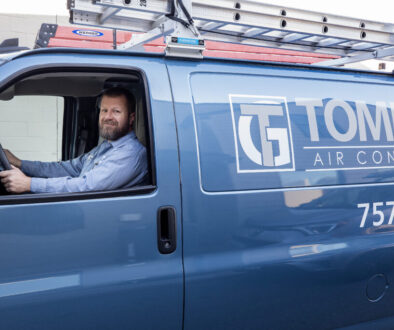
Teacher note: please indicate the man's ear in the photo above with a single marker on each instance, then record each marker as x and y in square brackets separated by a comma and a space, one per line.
[131, 118]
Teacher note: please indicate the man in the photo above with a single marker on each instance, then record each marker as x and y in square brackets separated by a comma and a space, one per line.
[119, 162]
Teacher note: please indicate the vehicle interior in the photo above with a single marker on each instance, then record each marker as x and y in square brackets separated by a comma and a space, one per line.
[78, 125]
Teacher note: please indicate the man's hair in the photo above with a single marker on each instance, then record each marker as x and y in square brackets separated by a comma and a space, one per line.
[119, 91]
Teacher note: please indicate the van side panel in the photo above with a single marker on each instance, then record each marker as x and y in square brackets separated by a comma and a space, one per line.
[276, 234]
[94, 263]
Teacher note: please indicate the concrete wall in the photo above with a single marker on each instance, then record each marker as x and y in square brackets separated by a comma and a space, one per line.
[31, 127]
[26, 27]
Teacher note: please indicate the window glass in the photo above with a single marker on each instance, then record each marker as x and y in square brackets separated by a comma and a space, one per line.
[263, 132]
[52, 117]
[31, 126]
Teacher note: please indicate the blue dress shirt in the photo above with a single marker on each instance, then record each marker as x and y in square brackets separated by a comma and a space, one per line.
[110, 165]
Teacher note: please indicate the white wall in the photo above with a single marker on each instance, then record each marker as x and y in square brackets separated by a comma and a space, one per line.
[31, 127]
[26, 27]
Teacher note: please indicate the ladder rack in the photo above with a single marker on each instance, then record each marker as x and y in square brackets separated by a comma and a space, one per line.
[242, 22]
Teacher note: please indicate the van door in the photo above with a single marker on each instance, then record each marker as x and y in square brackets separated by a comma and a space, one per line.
[287, 187]
[93, 260]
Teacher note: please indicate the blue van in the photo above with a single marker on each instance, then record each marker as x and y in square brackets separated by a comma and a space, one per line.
[268, 205]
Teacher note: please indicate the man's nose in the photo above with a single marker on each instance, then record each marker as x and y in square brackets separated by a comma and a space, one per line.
[108, 115]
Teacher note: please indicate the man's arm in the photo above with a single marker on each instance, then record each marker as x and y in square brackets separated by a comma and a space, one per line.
[52, 169]
[16, 181]
[12, 158]
[47, 169]
[117, 170]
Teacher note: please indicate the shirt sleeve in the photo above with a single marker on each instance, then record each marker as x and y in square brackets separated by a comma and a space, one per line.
[38, 169]
[118, 169]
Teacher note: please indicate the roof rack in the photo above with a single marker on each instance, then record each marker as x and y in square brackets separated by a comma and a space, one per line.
[187, 23]
[53, 35]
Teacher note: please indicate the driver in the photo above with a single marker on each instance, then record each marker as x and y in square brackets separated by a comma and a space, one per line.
[118, 162]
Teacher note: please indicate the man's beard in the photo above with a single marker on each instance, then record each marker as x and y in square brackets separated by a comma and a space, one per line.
[113, 133]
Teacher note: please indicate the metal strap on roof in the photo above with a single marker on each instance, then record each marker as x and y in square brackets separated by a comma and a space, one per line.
[187, 22]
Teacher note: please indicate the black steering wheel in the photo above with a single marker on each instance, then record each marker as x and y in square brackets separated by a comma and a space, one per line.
[4, 160]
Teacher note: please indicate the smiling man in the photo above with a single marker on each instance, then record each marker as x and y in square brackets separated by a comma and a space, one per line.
[118, 162]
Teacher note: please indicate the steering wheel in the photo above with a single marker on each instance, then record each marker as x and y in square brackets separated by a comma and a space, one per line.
[4, 160]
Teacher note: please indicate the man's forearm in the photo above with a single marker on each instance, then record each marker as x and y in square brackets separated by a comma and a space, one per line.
[13, 159]
[49, 169]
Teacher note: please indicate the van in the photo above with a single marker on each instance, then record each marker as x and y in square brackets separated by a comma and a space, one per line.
[268, 207]
[267, 203]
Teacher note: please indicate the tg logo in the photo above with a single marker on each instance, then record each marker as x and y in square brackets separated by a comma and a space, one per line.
[262, 133]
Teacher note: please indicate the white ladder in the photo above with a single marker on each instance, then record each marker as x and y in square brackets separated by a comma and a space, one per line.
[238, 21]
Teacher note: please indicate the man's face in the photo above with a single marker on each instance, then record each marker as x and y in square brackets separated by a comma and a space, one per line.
[114, 121]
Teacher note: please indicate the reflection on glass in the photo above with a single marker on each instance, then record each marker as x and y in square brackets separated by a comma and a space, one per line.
[308, 179]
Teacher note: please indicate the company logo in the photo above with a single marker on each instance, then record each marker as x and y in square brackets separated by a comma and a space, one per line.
[346, 135]
[262, 133]
[88, 33]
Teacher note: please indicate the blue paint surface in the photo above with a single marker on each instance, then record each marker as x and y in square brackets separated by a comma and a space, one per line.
[280, 249]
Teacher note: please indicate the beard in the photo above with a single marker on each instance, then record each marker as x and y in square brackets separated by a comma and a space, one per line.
[112, 131]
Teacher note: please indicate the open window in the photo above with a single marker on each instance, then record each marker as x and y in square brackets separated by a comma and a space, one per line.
[53, 116]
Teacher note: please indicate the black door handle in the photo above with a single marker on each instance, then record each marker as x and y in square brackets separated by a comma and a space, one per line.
[166, 229]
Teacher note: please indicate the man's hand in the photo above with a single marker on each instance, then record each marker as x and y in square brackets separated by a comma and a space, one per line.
[13, 159]
[15, 181]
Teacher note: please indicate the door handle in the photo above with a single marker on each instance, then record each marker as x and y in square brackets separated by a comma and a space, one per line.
[166, 229]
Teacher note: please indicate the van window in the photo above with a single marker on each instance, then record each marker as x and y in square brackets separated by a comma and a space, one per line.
[54, 117]
[274, 132]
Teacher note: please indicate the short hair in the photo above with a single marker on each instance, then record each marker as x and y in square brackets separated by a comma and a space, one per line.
[119, 91]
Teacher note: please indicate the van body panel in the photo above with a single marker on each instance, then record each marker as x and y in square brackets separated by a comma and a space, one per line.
[278, 249]
[95, 263]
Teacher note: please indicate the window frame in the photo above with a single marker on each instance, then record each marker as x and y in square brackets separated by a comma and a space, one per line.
[32, 198]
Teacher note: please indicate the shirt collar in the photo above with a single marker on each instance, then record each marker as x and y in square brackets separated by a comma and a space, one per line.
[118, 142]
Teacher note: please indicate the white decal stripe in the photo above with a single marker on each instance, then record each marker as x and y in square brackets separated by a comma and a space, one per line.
[348, 168]
[234, 133]
[245, 139]
[348, 147]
